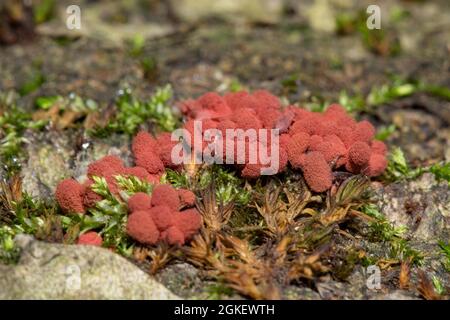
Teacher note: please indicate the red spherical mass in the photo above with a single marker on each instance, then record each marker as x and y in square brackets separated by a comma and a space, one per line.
[143, 142]
[234, 99]
[140, 201]
[379, 147]
[69, 194]
[91, 238]
[364, 132]
[377, 164]
[173, 236]
[215, 104]
[359, 153]
[150, 161]
[317, 172]
[162, 217]
[165, 195]
[90, 198]
[188, 221]
[187, 197]
[246, 118]
[140, 227]
[266, 101]
[165, 146]
[297, 145]
[106, 166]
[251, 170]
[139, 172]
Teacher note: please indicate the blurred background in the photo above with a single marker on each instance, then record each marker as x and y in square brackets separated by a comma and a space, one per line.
[309, 52]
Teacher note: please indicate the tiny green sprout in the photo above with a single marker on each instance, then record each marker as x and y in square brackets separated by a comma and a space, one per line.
[132, 113]
[175, 178]
[401, 250]
[100, 186]
[13, 124]
[44, 10]
[34, 81]
[385, 132]
[28, 216]
[46, 103]
[440, 290]
[219, 290]
[387, 93]
[445, 248]
[352, 103]
[109, 216]
[401, 88]
[8, 250]
[73, 102]
[133, 184]
[441, 171]
[228, 186]
[383, 230]
[235, 86]
[317, 104]
[398, 167]
[290, 84]
[137, 45]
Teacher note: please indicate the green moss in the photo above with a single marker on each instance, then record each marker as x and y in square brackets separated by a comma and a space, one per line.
[72, 102]
[384, 132]
[445, 249]
[13, 123]
[131, 113]
[136, 45]
[44, 10]
[441, 171]
[9, 253]
[34, 80]
[388, 93]
[378, 41]
[25, 216]
[398, 167]
[108, 217]
[228, 186]
[382, 230]
[218, 291]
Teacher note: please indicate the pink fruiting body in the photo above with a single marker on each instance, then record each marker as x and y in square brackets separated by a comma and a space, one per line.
[165, 195]
[90, 238]
[69, 194]
[140, 201]
[140, 226]
[315, 143]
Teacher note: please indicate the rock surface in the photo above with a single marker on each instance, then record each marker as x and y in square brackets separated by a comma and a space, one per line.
[55, 271]
[423, 205]
[58, 155]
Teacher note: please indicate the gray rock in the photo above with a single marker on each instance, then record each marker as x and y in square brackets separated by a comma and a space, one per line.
[55, 155]
[300, 293]
[266, 11]
[94, 149]
[422, 205]
[56, 271]
[48, 161]
[396, 295]
[321, 16]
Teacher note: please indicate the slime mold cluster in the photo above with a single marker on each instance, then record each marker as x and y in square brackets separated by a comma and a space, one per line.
[158, 217]
[166, 215]
[318, 144]
[315, 143]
